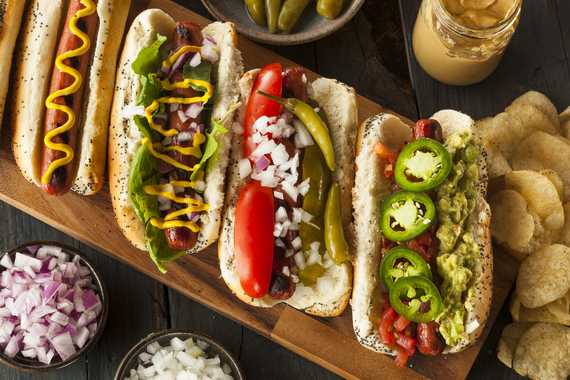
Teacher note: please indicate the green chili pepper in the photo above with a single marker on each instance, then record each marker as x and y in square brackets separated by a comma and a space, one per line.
[422, 165]
[336, 244]
[315, 169]
[416, 298]
[256, 10]
[290, 14]
[272, 9]
[314, 124]
[406, 215]
[401, 262]
[311, 273]
[329, 8]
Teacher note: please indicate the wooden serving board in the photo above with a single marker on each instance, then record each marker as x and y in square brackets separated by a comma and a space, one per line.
[328, 342]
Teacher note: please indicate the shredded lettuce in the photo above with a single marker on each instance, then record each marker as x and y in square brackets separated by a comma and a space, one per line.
[142, 124]
[149, 58]
[150, 89]
[211, 146]
[144, 171]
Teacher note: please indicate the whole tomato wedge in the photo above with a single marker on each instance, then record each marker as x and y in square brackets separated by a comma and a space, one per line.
[253, 238]
[270, 80]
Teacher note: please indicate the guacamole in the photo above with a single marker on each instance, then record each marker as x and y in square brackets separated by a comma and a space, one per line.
[456, 199]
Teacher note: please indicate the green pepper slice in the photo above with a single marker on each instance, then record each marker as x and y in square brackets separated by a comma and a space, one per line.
[406, 215]
[416, 298]
[314, 168]
[336, 244]
[401, 262]
[314, 124]
[422, 165]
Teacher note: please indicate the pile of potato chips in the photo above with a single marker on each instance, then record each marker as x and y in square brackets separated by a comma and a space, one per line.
[528, 161]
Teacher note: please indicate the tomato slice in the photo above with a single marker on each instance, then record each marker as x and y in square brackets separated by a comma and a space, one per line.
[253, 238]
[401, 323]
[402, 357]
[269, 80]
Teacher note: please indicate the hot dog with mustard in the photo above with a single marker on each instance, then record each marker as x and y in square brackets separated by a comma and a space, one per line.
[63, 93]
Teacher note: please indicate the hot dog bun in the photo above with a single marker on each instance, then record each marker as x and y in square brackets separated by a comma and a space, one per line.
[330, 296]
[370, 188]
[11, 12]
[40, 36]
[125, 137]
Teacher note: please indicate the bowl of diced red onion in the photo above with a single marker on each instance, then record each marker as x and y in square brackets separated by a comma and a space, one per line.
[180, 355]
[53, 306]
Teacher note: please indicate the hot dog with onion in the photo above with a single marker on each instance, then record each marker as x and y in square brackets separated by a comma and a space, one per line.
[423, 265]
[170, 133]
[63, 92]
[286, 236]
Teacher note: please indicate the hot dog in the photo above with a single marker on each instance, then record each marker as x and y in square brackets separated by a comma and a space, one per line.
[60, 133]
[423, 273]
[170, 139]
[285, 237]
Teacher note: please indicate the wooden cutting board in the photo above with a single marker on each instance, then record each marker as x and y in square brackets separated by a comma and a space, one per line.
[328, 342]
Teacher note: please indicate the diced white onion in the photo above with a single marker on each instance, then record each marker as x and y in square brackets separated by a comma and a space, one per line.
[244, 168]
[297, 243]
[281, 215]
[184, 136]
[300, 260]
[302, 136]
[279, 155]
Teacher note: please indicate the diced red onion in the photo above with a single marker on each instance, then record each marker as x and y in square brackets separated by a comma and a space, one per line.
[63, 345]
[174, 107]
[30, 291]
[262, 163]
[210, 52]
[6, 261]
[182, 116]
[178, 63]
[184, 136]
[33, 249]
[194, 110]
[244, 168]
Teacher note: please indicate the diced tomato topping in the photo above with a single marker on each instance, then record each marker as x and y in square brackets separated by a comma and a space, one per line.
[423, 245]
[401, 357]
[401, 323]
[428, 342]
[386, 326]
[406, 342]
[389, 156]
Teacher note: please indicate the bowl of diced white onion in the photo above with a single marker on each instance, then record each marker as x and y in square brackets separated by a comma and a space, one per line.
[53, 306]
[180, 355]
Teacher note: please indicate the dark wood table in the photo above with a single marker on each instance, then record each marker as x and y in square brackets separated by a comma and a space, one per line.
[369, 54]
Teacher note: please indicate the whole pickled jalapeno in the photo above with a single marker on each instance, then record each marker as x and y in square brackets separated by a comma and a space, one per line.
[406, 214]
[290, 13]
[314, 124]
[416, 298]
[314, 168]
[401, 262]
[329, 8]
[336, 244]
[272, 9]
[256, 10]
[422, 165]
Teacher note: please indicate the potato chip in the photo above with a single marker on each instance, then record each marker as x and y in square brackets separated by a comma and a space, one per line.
[541, 102]
[497, 164]
[555, 312]
[542, 352]
[555, 179]
[509, 341]
[531, 117]
[511, 223]
[544, 276]
[540, 194]
[564, 237]
[543, 151]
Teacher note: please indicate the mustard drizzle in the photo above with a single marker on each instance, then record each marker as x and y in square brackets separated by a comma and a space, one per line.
[193, 205]
[87, 10]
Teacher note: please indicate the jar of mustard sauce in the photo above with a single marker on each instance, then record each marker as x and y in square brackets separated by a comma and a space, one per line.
[461, 42]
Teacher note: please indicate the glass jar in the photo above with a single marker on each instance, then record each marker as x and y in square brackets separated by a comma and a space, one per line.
[460, 46]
